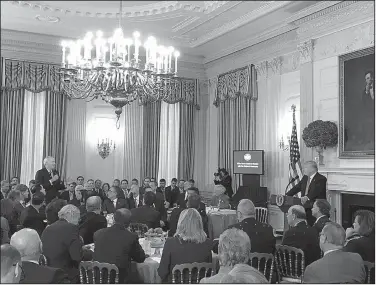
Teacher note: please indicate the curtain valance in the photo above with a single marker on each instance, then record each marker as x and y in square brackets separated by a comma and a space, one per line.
[32, 76]
[235, 83]
[186, 92]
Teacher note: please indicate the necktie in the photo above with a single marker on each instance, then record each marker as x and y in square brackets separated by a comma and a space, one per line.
[307, 187]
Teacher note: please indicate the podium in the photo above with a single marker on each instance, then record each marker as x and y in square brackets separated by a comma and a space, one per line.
[284, 203]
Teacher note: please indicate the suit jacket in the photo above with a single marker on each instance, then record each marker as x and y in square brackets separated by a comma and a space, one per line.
[65, 196]
[110, 208]
[89, 224]
[336, 267]
[31, 218]
[159, 206]
[10, 213]
[316, 189]
[62, 247]
[177, 251]
[227, 183]
[117, 245]
[172, 195]
[40, 274]
[4, 238]
[146, 215]
[320, 223]
[304, 237]
[42, 177]
[364, 246]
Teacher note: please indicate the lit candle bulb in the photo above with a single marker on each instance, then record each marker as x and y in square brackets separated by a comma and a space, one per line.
[111, 42]
[137, 44]
[176, 54]
[64, 47]
[87, 41]
[170, 51]
[98, 45]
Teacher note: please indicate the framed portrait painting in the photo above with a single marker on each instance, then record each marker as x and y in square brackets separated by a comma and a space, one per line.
[357, 104]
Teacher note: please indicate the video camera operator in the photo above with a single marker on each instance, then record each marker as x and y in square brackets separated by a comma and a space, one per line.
[222, 177]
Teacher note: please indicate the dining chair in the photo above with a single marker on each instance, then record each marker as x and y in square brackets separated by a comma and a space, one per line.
[191, 273]
[262, 214]
[89, 273]
[370, 272]
[290, 264]
[263, 262]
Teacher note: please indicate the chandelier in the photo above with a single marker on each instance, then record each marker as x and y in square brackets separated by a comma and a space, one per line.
[112, 69]
[105, 148]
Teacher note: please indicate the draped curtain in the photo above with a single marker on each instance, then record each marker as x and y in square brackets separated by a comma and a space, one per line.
[235, 98]
[186, 142]
[169, 141]
[33, 131]
[16, 77]
[55, 132]
[11, 116]
[150, 139]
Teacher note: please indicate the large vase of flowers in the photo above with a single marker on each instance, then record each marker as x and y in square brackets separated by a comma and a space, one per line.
[320, 135]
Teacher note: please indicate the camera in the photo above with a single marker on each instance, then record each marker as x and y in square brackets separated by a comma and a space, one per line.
[216, 174]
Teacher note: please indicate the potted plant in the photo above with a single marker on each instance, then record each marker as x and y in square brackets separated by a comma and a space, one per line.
[320, 135]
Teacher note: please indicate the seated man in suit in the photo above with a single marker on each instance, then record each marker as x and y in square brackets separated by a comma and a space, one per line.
[117, 245]
[114, 200]
[92, 220]
[147, 214]
[194, 201]
[159, 202]
[52, 210]
[312, 187]
[28, 243]
[31, 216]
[172, 193]
[336, 266]
[301, 235]
[10, 265]
[70, 194]
[321, 211]
[261, 234]
[62, 244]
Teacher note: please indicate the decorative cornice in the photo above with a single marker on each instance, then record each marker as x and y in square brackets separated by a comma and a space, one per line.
[186, 22]
[251, 16]
[338, 15]
[262, 70]
[161, 7]
[306, 51]
[275, 65]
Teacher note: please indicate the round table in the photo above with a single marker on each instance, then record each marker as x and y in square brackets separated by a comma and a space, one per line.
[219, 221]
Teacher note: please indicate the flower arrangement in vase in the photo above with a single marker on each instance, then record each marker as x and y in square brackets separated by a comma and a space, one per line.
[320, 135]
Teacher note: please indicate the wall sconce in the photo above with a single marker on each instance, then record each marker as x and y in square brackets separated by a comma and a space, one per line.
[282, 144]
[105, 148]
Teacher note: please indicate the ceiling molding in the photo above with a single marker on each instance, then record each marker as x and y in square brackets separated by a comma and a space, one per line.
[186, 22]
[241, 21]
[161, 7]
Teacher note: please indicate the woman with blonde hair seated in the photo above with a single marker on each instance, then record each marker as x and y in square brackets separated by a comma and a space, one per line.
[361, 238]
[188, 245]
[220, 199]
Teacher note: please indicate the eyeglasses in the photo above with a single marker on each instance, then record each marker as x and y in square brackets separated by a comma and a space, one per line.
[19, 271]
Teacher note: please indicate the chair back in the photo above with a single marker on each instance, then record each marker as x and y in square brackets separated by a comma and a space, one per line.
[262, 214]
[370, 272]
[263, 262]
[290, 263]
[139, 229]
[89, 273]
[191, 273]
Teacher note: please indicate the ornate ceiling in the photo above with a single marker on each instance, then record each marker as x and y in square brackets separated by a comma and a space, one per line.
[208, 29]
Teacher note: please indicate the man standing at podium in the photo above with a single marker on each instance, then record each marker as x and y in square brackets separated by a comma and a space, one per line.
[312, 186]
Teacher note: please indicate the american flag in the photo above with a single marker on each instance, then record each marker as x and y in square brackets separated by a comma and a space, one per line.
[295, 168]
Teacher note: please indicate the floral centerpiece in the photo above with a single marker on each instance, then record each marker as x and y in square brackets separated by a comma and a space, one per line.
[320, 135]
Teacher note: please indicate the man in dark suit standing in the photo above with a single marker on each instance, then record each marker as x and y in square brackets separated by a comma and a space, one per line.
[28, 243]
[49, 178]
[159, 202]
[143, 188]
[31, 217]
[321, 211]
[62, 244]
[117, 245]
[114, 200]
[91, 221]
[260, 234]
[336, 266]
[301, 235]
[147, 214]
[312, 187]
